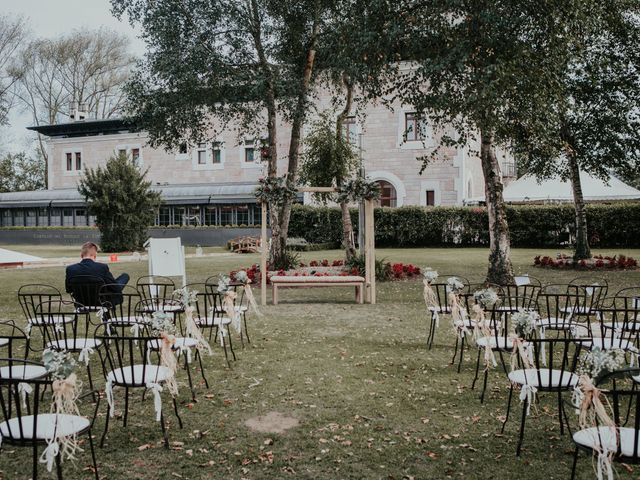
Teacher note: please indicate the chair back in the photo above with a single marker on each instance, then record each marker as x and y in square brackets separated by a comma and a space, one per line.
[215, 300]
[32, 295]
[21, 398]
[557, 305]
[132, 355]
[121, 307]
[85, 291]
[442, 289]
[590, 291]
[620, 322]
[522, 293]
[155, 287]
[14, 340]
[62, 323]
[555, 361]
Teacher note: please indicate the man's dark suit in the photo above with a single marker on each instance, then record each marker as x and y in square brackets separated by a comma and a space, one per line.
[88, 268]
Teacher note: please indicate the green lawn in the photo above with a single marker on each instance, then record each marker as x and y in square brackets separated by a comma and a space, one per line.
[372, 401]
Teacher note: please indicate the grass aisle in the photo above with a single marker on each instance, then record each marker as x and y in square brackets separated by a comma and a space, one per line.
[372, 402]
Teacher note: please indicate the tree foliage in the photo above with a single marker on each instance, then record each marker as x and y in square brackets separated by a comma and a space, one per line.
[21, 172]
[13, 31]
[122, 201]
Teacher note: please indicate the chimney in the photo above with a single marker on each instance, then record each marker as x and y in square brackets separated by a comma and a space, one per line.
[77, 111]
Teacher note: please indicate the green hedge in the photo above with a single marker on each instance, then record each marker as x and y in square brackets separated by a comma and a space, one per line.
[616, 225]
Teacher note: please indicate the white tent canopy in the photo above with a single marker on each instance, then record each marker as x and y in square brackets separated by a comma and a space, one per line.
[527, 189]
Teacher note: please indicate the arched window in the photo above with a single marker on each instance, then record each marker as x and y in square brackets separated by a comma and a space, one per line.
[388, 196]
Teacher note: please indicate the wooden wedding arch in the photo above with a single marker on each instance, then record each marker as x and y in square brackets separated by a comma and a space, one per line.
[369, 246]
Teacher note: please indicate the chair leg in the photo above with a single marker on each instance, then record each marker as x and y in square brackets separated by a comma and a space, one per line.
[575, 463]
[165, 435]
[522, 423]
[175, 410]
[560, 412]
[461, 353]
[188, 369]
[206, 382]
[431, 333]
[58, 466]
[473, 384]
[484, 384]
[455, 351]
[246, 331]
[93, 456]
[504, 424]
[126, 406]
[90, 382]
[34, 473]
[233, 354]
[106, 425]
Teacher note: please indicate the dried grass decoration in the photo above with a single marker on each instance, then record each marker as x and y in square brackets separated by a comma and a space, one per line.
[61, 365]
[187, 299]
[430, 298]
[229, 302]
[162, 326]
[242, 277]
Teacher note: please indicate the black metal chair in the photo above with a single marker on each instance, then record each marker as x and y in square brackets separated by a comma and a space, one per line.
[27, 422]
[127, 362]
[589, 293]
[85, 291]
[120, 309]
[209, 315]
[624, 439]
[556, 311]
[619, 325]
[440, 288]
[522, 294]
[14, 339]
[554, 363]
[72, 334]
[157, 291]
[32, 295]
[183, 346]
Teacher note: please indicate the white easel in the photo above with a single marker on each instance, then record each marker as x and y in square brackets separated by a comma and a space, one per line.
[166, 258]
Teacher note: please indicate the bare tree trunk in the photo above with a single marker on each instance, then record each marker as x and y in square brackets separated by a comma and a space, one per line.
[348, 241]
[279, 242]
[582, 251]
[500, 269]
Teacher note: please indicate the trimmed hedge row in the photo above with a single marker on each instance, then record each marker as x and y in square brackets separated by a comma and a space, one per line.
[615, 225]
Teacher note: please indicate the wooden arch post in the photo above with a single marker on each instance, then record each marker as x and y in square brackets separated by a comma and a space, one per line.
[369, 247]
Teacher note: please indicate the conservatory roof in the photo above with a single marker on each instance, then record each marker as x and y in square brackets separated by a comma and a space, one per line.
[171, 194]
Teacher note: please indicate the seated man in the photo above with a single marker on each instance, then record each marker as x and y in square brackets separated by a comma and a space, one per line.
[87, 272]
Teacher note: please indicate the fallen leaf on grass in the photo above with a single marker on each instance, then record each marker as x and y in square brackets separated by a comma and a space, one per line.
[143, 447]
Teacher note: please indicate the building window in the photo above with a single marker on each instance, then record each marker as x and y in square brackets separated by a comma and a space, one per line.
[242, 215]
[81, 217]
[135, 156]
[6, 218]
[349, 131]
[388, 196]
[30, 218]
[211, 216]
[43, 217]
[413, 127]
[67, 217]
[216, 156]
[56, 214]
[202, 154]
[122, 152]
[430, 198]
[226, 216]
[249, 154]
[78, 161]
[183, 149]
[69, 161]
[164, 216]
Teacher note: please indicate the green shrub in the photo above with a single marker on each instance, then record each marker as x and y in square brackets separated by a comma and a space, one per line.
[610, 225]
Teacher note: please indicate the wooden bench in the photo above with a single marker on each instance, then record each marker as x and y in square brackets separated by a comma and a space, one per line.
[245, 245]
[291, 281]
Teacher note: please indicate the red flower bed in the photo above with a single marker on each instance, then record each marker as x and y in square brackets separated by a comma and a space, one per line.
[597, 262]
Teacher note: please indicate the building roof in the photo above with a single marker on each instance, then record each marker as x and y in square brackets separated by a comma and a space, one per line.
[527, 189]
[83, 128]
[171, 194]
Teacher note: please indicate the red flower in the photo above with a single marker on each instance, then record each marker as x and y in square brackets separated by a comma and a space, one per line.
[313, 263]
[325, 263]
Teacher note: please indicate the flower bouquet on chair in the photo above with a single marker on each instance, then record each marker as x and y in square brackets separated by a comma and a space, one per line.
[459, 314]
[484, 299]
[162, 326]
[242, 277]
[61, 367]
[430, 299]
[229, 301]
[187, 299]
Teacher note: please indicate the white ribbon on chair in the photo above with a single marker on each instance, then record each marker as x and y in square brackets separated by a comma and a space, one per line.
[108, 390]
[24, 389]
[85, 355]
[27, 330]
[49, 455]
[186, 350]
[528, 393]
[222, 333]
[156, 388]
[603, 464]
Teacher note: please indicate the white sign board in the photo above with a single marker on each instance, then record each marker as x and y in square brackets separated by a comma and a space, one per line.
[166, 258]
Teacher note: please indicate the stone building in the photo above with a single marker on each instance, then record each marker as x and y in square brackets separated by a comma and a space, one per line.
[212, 183]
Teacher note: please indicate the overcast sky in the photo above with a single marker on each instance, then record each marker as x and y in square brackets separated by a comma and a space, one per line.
[50, 18]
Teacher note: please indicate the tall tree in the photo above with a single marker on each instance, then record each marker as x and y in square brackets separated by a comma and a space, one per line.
[82, 69]
[21, 172]
[599, 110]
[211, 63]
[479, 67]
[13, 33]
[122, 201]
